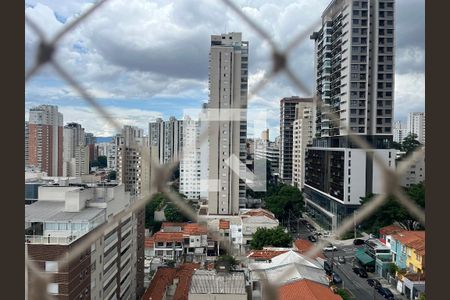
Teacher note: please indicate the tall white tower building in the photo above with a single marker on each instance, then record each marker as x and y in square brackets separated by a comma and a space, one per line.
[416, 125]
[228, 81]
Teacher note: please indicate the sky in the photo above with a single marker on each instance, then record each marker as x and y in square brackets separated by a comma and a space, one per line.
[148, 59]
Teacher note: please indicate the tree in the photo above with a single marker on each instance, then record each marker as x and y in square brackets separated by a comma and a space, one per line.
[112, 175]
[343, 293]
[275, 237]
[171, 211]
[410, 143]
[102, 161]
[285, 201]
[228, 260]
[393, 269]
[391, 211]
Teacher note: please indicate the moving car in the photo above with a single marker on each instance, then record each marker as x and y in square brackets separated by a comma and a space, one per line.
[330, 247]
[336, 278]
[312, 238]
[360, 272]
[386, 293]
[375, 283]
[341, 259]
[358, 242]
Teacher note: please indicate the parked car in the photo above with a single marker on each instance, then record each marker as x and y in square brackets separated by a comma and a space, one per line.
[386, 293]
[358, 242]
[375, 283]
[330, 247]
[336, 278]
[312, 238]
[341, 259]
[360, 272]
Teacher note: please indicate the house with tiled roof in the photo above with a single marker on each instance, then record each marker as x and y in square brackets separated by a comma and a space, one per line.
[183, 242]
[171, 283]
[408, 248]
[303, 246]
[263, 255]
[305, 289]
[387, 232]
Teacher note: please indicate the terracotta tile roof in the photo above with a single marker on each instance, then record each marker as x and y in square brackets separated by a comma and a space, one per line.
[303, 246]
[165, 276]
[224, 224]
[172, 224]
[259, 212]
[415, 276]
[305, 289]
[264, 254]
[149, 242]
[194, 228]
[391, 229]
[406, 237]
[418, 245]
[168, 236]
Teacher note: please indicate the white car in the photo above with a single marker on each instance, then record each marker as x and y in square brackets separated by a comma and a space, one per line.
[330, 248]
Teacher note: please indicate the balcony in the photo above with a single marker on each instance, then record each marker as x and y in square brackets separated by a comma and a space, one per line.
[53, 240]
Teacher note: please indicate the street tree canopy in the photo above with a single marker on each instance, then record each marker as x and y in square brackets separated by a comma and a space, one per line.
[275, 237]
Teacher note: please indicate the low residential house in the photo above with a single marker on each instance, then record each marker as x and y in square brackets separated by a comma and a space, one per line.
[182, 242]
[305, 289]
[171, 283]
[387, 232]
[409, 248]
[239, 230]
[375, 256]
[303, 246]
[398, 245]
[218, 285]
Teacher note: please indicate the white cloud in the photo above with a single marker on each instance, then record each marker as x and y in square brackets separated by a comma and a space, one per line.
[409, 94]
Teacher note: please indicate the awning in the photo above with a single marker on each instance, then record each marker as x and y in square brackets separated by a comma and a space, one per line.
[364, 258]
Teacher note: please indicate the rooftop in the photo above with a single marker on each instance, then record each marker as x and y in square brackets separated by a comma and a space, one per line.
[286, 258]
[407, 237]
[376, 244]
[306, 290]
[264, 254]
[53, 211]
[303, 246]
[165, 276]
[224, 224]
[211, 282]
[391, 229]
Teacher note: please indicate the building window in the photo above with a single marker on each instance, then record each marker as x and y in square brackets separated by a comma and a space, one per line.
[51, 266]
[52, 288]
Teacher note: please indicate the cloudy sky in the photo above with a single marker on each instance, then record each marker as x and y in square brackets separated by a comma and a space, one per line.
[147, 59]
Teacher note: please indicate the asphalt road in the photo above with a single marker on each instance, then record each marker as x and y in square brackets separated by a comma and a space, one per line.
[357, 286]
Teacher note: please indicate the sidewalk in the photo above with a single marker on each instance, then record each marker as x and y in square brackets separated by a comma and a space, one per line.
[394, 291]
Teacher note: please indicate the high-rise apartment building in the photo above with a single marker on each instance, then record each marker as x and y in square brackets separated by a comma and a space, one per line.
[133, 170]
[287, 118]
[400, 132]
[26, 142]
[354, 66]
[416, 125]
[228, 82]
[75, 151]
[90, 141]
[265, 135]
[166, 139]
[270, 151]
[45, 139]
[302, 136]
[65, 216]
[190, 169]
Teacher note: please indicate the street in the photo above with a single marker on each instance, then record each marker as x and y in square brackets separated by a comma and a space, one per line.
[357, 287]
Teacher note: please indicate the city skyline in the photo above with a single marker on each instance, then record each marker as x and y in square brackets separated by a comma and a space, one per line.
[143, 100]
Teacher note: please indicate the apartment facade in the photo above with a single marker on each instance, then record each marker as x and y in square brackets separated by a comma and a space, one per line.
[190, 163]
[416, 125]
[269, 151]
[227, 117]
[166, 139]
[302, 136]
[414, 174]
[287, 118]
[75, 151]
[67, 215]
[400, 132]
[45, 139]
[354, 66]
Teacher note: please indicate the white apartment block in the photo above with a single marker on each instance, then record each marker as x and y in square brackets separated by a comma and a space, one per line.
[416, 125]
[303, 135]
[228, 82]
[190, 168]
[415, 174]
[271, 152]
[400, 132]
[64, 216]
